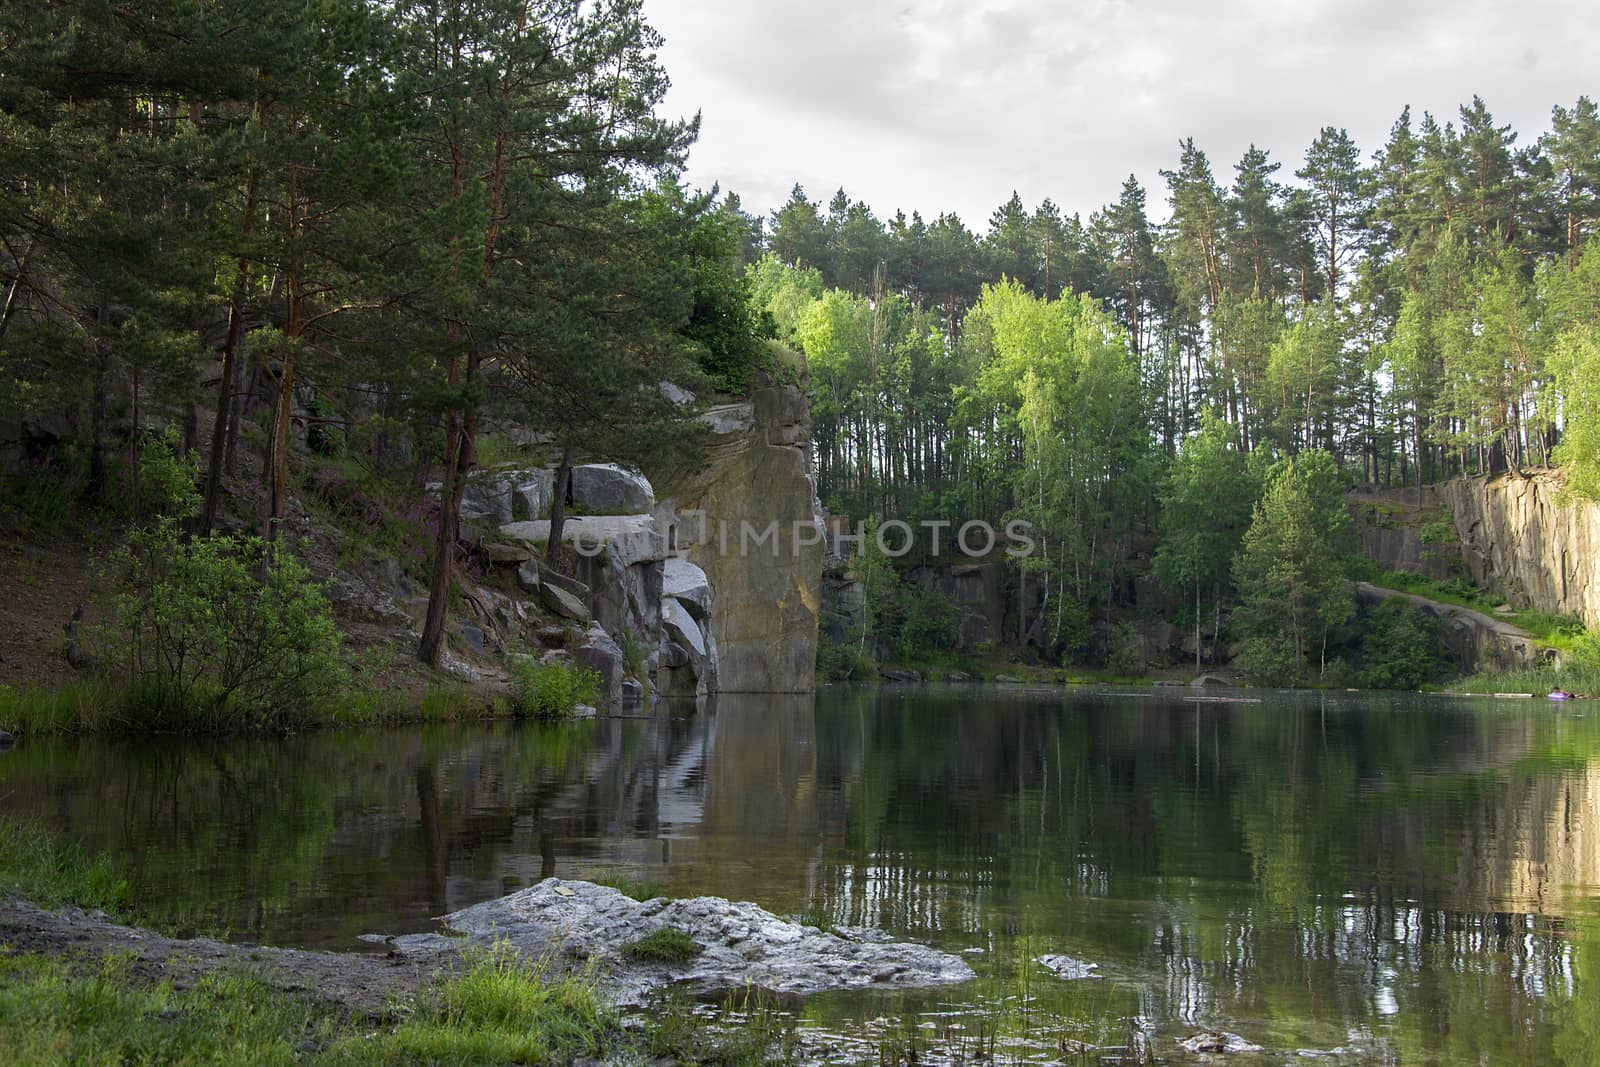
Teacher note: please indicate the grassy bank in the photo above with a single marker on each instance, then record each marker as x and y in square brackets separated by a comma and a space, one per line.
[1535, 680]
[99, 705]
[498, 1011]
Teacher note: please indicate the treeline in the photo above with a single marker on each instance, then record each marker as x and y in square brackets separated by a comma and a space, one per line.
[1412, 314]
[1185, 399]
[380, 224]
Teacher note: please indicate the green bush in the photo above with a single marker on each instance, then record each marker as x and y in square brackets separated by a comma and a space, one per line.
[551, 690]
[925, 622]
[216, 633]
[843, 661]
[1271, 661]
[1400, 647]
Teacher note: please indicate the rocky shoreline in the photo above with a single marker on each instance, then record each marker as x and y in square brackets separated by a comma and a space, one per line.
[568, 927]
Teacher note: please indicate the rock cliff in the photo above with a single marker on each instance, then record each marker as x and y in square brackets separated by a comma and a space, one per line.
[750, 520]
[1511, 534]
[712, 588]
[1521, 541]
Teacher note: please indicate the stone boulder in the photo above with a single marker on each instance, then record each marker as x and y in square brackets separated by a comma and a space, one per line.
[619, 564]
[563, 603]
[500, 495]
[742, 946]
[611, 489]
[684, 582]
[681, 628]
[601, 654]
[1068, 967]
[683, 637]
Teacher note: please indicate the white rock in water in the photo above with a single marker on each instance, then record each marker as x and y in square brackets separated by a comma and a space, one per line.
[743, 945]
[1067, 967]
[1217, 1041]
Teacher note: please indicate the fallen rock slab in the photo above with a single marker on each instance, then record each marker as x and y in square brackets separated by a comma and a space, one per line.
[741, 944]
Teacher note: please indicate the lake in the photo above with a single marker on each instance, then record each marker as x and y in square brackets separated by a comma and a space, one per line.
[1332, 877]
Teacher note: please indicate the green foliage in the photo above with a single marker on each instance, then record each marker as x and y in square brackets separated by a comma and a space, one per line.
[551, 690]
[1205, 510]
[205, 640]
[167, 482]
[500, 1010]
[844, 661]
[1272, 660]
[45, 870]
[919, 621]
[79, 706]
[666, 945]
[1399, 647]
[1291, 569]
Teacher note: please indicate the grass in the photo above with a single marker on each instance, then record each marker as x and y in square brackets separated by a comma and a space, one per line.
[666, 945]
[551, 690]
[1537, 680]
[1550, 629]
[639, 889]
[101, 706]
[500, 1010]
[748, 1030]
[37, 866]
[57, 1009]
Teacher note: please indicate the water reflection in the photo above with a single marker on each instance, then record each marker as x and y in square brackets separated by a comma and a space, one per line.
[1409, 878]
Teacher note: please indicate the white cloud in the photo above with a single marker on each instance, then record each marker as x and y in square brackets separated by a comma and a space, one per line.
[950, 104]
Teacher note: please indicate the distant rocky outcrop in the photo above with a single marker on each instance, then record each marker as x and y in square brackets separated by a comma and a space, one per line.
[1511, 534]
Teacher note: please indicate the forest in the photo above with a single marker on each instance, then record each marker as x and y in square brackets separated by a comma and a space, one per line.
[340, 228]
[1386, 320]
[234, 235]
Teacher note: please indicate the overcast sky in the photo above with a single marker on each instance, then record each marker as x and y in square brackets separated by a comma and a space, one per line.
[951, 104]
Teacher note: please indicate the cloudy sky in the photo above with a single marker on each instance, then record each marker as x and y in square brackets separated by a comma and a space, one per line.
[951, 104]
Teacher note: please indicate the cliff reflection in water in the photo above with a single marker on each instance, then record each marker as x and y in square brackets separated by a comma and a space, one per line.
[1406, 867]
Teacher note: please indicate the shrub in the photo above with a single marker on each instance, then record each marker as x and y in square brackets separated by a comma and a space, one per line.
[552, 690]
[1400, 647]
[843, 661]
[1271, 660]
[928, 622]
[218, 633]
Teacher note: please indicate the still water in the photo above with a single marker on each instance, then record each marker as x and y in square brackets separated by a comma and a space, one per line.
[1340, 878]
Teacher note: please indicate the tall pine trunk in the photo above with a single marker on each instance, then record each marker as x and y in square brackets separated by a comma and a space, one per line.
[221, 430]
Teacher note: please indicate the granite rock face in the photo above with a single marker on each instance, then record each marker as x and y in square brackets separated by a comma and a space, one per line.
[1511, 534]
[751, 522]
[1520, 541]
[741, 944]
[508, 494]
